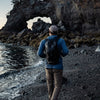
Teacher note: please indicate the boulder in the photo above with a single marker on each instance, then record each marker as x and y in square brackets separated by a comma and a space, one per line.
[23, 33]
[40, 27]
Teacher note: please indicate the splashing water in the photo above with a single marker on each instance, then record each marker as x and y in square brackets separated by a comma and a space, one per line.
[19, 66]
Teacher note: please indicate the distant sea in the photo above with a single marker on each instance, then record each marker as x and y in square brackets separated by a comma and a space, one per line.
[19, 66]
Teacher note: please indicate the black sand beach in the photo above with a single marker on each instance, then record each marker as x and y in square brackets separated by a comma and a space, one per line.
[81, 78]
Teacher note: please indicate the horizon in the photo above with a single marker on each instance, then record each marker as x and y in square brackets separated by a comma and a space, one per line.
[6, 6]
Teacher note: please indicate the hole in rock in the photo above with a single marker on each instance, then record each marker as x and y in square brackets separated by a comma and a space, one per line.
[31, 21]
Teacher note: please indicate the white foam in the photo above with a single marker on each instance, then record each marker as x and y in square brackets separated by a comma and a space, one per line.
[97, 49]
[39, 63]
[11, 85]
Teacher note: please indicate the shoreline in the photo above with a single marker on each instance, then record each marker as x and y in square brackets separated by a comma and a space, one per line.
[13, 79]
[81, 78]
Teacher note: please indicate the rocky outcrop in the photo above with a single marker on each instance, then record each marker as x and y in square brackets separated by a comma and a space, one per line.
[73, 17]
[25, 10]
[40, 27]
[76, 15]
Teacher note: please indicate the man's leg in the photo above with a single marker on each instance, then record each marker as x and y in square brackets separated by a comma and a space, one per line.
[50, 85]
[57, 83]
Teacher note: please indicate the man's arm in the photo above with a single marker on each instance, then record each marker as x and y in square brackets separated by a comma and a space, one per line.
[64, 49]
[41, 49]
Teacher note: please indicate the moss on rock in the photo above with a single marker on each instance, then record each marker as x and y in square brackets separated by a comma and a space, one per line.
[31, 39]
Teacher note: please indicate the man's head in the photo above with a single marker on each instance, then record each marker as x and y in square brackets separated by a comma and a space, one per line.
[53, 30]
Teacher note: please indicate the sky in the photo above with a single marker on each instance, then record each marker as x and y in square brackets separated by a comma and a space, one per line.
[6, 6]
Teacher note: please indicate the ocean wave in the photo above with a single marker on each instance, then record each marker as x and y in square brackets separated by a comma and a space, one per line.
[11, 82]
[19, 66]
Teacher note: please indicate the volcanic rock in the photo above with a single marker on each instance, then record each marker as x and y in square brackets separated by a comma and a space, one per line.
[76, 15]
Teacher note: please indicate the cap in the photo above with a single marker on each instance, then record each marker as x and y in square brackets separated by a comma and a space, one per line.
[53, 28]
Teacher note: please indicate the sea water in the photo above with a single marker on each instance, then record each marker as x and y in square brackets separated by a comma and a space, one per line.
[19, 66]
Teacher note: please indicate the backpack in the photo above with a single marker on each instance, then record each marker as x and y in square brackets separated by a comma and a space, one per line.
[51, 51]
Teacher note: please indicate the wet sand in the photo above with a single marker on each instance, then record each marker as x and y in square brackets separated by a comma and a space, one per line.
[81, 78]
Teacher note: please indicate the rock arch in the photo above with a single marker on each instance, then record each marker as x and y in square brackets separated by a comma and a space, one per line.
[72, 13]
[26, 10]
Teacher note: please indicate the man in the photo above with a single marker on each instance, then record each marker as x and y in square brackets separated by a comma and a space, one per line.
[53, 70]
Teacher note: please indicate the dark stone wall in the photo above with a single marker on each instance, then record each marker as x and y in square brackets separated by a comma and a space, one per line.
[76, 15]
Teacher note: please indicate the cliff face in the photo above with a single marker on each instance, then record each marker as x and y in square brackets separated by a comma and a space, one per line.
[76, 15]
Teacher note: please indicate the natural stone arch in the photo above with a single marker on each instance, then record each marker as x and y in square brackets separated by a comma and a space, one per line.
[70, 12]
[26, 10]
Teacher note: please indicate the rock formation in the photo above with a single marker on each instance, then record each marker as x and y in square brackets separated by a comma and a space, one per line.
[76, 15]
[40, 27]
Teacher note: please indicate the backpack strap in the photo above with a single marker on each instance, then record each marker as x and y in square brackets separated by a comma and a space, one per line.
[56, 38]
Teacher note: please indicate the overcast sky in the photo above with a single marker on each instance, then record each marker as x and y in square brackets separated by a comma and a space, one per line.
[5, 7]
